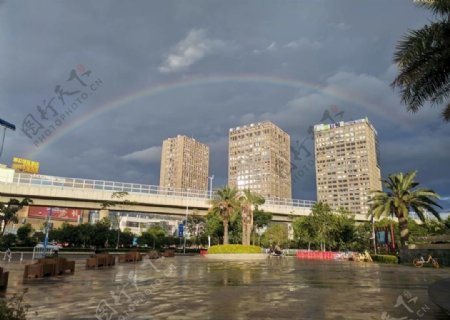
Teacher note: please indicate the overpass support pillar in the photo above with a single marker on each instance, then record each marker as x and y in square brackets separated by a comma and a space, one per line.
[104, 213]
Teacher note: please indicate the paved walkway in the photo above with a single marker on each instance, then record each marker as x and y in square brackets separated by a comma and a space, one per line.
[199, 288]
[439, 293]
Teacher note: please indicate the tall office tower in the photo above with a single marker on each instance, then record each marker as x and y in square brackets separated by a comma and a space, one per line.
[259, 159]
[347, 166]
[184, 164]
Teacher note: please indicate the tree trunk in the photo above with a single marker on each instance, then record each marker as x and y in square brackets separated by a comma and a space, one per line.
[250, 227]
[404, 232]
[244, 233]
[225, 231]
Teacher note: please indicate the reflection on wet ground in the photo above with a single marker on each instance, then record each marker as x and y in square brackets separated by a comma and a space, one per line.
[198, 288]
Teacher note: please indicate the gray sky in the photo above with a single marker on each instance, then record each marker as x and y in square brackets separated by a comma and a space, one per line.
[162, 68]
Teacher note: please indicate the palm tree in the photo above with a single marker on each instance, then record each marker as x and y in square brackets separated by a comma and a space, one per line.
[423, 58]
[402, 196]
[249, 201]
[226, 203]
[8, 211]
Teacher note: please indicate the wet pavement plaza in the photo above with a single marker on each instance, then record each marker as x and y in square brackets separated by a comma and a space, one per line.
[199, 288]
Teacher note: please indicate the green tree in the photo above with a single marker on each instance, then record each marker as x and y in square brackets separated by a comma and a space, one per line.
[8, 241]
[423, 57]
[343, 230]
[276, 234]
[8, 211]
[84, 234]
[102, 235]
[401, 197]
[362, 237]
[235, 227]
[118, 199]
[214, 226]
[323, 220]
[196, 227]
[152, 236]
[67, 233]
[304, 230]
[126, 238]
[324, 229]
[261, 219]
[225, 203]
[447, 224]
[249, 202]
[24, 233]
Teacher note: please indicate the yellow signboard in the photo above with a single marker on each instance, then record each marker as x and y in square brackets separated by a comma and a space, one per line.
[25, 165]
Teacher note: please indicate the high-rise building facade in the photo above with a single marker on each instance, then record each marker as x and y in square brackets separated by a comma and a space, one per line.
[184, 164]
[259, 159]
[347, 167]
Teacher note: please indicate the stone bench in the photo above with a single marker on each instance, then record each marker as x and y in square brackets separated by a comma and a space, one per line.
[169, 253]
[132, 256]
[48, 267]
[63, 265]
[100, 260]
[153, 254]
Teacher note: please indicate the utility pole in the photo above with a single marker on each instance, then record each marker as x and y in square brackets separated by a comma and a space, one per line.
[374, 240]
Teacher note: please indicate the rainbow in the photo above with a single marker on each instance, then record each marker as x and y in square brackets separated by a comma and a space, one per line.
[124, 100]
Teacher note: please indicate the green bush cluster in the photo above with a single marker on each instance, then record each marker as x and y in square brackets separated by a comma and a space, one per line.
[234, 248]
[384, 258]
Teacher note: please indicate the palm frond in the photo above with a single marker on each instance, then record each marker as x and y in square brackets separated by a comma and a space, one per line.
[446, 113]
[438, 7]
[423, 58]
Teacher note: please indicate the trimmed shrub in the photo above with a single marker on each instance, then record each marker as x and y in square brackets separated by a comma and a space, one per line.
[384, 258]
[234, 248]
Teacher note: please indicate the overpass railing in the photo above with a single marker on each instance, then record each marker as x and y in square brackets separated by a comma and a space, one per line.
[103, 185]
[112, 186]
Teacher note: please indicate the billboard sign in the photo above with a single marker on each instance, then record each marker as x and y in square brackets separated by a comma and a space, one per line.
[65, 214]
[25, 165]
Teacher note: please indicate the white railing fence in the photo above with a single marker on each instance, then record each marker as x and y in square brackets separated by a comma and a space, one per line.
[112, 186]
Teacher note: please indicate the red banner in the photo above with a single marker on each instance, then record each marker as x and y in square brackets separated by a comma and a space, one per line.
[66, 214]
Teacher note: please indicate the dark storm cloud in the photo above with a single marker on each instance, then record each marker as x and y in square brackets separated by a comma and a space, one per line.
[345, 48]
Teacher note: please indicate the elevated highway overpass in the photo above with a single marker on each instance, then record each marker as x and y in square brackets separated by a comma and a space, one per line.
[88, 194]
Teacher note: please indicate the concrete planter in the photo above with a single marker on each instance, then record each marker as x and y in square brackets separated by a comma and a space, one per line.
[237, 256]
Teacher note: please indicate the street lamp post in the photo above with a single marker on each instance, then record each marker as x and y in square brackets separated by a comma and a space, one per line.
[210, 186]
[47, 228]
[5, 125]
[374, 240]
[185, 227]
[118, 229]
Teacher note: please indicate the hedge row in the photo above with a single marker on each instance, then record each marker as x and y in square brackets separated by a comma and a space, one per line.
[383, 258]
[78, 249]
[234, 248]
